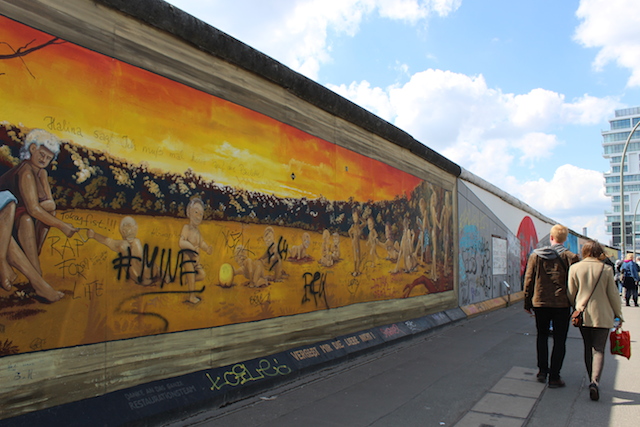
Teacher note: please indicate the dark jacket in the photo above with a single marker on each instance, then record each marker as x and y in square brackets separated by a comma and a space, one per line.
[630, 270]
[545, 280]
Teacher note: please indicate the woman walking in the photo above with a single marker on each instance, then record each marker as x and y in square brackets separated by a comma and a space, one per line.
[593, 291]
[630, 281]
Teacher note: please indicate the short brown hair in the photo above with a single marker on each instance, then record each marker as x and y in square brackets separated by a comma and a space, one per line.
[559, 233]
[592, 249]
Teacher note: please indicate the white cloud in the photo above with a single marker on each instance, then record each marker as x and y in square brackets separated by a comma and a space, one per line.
[589, 110]
[536, 146]
[489, 161]
[467, 121]
[375, 100]
[535, 109]
[571, 191]
[295, 32]
[574, 197]
[613, 26]
[415, 10]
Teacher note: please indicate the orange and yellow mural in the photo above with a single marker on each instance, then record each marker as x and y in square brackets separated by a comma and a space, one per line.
[134, 205]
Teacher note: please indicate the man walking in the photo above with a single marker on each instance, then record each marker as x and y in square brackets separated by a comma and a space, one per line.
[545, 290]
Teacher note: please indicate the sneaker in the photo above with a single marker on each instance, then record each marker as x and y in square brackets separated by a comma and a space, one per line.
[542, 377]
[556, 383]
[594, 393]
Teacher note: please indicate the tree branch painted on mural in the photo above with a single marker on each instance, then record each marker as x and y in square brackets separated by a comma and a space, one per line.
[27, 49]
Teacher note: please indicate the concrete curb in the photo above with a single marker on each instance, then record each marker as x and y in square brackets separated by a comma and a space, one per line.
[492, 304]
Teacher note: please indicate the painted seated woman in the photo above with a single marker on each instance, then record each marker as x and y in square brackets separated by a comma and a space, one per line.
[28, 182]
[11, 255]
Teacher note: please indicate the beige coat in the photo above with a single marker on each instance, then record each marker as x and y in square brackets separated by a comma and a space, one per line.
[604, 305]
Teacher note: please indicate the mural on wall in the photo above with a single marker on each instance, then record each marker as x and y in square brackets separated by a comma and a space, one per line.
[573, 243]
[475, 266]
[133, 205]
[490, 253]
[528, 238]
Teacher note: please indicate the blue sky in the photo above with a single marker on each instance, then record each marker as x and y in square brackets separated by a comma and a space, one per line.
[517, 92]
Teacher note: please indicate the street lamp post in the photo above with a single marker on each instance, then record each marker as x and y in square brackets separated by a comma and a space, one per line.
[623, 229]
[633, 229]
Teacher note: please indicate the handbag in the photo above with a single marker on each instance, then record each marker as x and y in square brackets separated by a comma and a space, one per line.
[620, 342]
[577, 316]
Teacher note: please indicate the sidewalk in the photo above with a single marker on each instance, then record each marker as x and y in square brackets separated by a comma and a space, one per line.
[475, 372]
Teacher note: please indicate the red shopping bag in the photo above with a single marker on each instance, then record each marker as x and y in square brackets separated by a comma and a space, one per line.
[620, 342]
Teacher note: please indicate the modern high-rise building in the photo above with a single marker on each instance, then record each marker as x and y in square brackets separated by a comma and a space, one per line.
[613, 143]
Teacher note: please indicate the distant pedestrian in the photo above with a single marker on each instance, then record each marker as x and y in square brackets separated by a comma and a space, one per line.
[592, 290]
[545, 286]
[630, 271]
[619, 277]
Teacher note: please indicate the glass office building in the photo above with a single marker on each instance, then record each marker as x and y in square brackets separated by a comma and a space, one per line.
[613, 143]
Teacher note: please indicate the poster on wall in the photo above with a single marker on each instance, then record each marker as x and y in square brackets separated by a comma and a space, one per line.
[499, 255]
[133, 205]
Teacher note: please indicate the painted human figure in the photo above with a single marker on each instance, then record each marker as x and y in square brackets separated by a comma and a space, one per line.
[299, 252]
[130, 244]
[272, 258]
[391, 246]
[446, 222]
[436, 227]
[326, 259]
[355, 233]
[422, 221]
[11, 254]
[407, 261]
[372, 240]
[29, 183]
[191, 242]
[251, 269]
[335, 247]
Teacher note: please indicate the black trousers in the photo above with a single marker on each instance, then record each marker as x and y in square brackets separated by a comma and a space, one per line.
[595, 342]
[545, 316]
[631, 293]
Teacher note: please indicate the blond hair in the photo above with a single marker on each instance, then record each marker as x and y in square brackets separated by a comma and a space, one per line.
[559, 233]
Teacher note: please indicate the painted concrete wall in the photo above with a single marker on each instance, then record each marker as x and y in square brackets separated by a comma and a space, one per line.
[166, 212]
[175, 202]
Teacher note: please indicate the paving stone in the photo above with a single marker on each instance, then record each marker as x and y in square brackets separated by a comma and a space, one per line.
[512, 406]
[521, 388]
[520, 373]
[476, 419]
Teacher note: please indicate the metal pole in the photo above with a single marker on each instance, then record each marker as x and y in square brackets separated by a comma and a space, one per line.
[623, 230]
[633, 229]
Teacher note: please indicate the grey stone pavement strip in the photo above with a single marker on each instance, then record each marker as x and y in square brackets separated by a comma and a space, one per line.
[477, 372]
[508, 403]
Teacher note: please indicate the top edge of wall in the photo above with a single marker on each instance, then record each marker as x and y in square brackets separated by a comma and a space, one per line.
[465, 175]
[203, 36]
